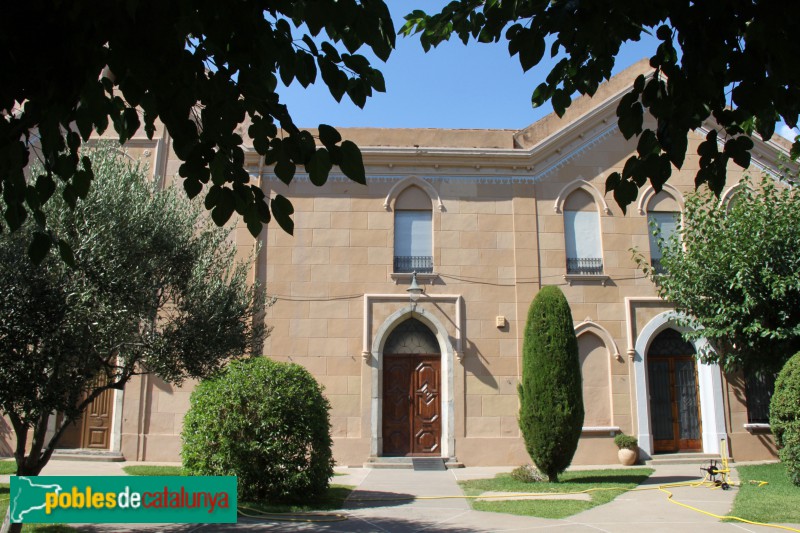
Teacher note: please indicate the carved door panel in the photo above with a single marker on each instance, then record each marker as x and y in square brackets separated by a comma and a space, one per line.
[97, 422]
[412, 422]
[427, 422]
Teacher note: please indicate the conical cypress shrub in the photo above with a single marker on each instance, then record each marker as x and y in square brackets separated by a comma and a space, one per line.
[551, 396]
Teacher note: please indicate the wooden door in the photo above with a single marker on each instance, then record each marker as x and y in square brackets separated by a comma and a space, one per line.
[674, 404]
[93, 427]
[412, 421]
[97, 422]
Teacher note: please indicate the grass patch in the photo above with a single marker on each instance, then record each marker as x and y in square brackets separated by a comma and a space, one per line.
[333, 499]
[38, 528]
[8, 467]
[779, 501]
[570, 482]
[151, 470]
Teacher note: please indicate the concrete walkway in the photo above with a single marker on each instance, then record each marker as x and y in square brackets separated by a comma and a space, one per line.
[382, 502]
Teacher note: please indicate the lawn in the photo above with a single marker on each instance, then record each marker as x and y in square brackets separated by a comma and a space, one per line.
[8, 467]
[38, 528]
[776, 502]
[620, 480]
[151, 470]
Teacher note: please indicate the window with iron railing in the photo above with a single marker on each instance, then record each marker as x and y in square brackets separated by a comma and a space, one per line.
[413, 241]
[584, 265]
[407, 264]
[582, 240]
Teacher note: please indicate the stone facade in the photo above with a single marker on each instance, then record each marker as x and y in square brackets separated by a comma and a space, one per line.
[497, 202]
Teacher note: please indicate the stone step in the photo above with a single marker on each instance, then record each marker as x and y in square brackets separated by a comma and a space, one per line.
[408, 462]
[685, 459]
[82, 454]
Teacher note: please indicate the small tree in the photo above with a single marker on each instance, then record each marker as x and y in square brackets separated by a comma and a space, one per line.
[551, 395]
[266, 423]
[154, 288]
[784, 417]
[731, 269]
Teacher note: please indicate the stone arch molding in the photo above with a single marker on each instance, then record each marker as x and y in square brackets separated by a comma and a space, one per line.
[726, 197]
[447, 384]
[579, 183]
[712, 409]
[404, 183]
[588, 326]
[648, 193]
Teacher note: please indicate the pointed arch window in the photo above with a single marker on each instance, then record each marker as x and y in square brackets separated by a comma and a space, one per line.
[582, 235]
[413, 232]
[663, 215]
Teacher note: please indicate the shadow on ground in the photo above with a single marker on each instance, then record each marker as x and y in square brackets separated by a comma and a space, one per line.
[364, 499]
[664, 480]
[352, 525]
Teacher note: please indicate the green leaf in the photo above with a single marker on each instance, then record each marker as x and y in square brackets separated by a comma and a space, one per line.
[39, 247]
[45, 187]
[319, 166]
[65, 251]
[352, 164]
[224, 209]
[192, 187]
[613, 181]
[531, 51]
[561, 101]
[329, 135]
[282, 210]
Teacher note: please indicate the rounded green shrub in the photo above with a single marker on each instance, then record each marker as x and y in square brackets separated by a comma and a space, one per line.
[626, 442]
[784, 417]
[551, 394]
[266, 423]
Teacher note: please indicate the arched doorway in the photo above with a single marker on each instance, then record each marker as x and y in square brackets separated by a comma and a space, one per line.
[412, 419]
[674, 399]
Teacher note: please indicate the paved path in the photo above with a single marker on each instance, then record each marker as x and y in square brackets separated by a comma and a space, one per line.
[637, 511]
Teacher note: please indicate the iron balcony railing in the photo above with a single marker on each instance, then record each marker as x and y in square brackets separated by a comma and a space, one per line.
[417, 263]
[585, 266]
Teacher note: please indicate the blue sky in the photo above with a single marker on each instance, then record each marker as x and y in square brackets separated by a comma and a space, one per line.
[452, 86]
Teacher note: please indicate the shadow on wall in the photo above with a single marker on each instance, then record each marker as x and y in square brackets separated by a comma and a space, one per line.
[6, 437]
[474, 364]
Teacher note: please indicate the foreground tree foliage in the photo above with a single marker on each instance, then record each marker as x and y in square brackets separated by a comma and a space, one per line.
[550, 392]
[155, 288]
[732, 271]
[199, 68]
[266, 423]
[732, 60]
[784, 417]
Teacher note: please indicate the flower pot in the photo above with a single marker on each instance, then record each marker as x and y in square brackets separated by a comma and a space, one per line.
[628, 456]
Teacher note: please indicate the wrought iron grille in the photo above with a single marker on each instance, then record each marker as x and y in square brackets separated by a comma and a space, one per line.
[584, 265]
[759, 392]
[420, 264]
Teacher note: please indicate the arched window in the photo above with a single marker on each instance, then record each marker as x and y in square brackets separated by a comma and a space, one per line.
[582, 234]
[663, 214]
[413, 232]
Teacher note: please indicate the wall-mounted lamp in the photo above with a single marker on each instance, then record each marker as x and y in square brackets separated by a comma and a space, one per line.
[414, 291]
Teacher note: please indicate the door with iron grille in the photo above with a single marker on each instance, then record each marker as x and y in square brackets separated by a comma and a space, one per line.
[674, 399]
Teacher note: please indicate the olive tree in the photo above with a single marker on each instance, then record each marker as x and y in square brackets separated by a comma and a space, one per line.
[154, 288]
